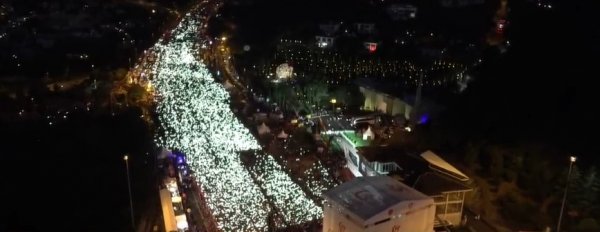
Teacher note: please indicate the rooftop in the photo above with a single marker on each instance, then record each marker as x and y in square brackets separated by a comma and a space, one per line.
[434, 184]
[439, 164]
[368, 196]
[355, 139]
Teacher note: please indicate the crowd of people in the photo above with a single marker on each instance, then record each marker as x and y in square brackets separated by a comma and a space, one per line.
[194, 117]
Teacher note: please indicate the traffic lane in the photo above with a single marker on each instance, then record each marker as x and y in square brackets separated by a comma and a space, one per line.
[335, 123]
[196, 212]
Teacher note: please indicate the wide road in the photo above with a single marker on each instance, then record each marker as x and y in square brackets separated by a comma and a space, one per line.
[194, 116]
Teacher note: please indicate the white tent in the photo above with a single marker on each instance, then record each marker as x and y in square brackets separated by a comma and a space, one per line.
[263, 129]
[282, 135]
[368, 134]
[227, 85]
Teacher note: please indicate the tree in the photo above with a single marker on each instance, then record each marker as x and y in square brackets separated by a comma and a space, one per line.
[118, 74]
[514, 165]
[496, 168]
[315, 93]
[280, 95]
[348, 95]
[472, 155]
[587, 225]
[136, 93]
[584, 191]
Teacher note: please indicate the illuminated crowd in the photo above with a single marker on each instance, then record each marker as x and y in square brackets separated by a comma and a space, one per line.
[195, 117]
[318, 180]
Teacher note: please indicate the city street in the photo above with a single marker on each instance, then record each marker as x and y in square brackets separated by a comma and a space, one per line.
[185, 90]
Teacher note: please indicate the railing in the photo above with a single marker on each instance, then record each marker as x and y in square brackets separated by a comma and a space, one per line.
[385, 168]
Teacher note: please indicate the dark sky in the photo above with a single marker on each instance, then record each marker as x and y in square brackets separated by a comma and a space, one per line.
[544, 88]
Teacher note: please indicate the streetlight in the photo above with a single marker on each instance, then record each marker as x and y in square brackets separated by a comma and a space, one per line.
[572, 160]
[126, 158]
[333, 101]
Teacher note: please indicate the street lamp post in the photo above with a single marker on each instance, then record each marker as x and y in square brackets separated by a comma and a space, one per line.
[333, 101]
[572, 160]
[126, 158]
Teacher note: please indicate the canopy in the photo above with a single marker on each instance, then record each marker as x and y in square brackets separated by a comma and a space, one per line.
[438, 164]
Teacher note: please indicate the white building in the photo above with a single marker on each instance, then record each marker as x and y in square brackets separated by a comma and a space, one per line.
[385, 103]
[374, 204]
[324, 41]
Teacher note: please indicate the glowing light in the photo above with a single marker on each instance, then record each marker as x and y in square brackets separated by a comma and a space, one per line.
[284, 71]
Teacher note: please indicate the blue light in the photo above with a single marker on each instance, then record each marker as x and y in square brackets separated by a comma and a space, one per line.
[424, 119]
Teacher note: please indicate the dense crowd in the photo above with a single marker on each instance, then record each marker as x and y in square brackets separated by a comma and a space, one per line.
[195, 117]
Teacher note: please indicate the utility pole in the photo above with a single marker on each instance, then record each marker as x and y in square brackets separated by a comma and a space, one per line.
[572, 160]
[126, 158]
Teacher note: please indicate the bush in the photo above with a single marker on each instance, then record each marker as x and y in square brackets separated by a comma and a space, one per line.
[519, 211]
[587, 225]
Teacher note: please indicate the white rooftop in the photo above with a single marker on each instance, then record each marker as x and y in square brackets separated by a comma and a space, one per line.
[366, 197]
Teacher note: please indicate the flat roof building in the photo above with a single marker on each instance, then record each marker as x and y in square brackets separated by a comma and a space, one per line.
[377, 203]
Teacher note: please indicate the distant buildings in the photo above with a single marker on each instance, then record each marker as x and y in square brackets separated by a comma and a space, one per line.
[358, 32]
[371, 46]
[385, 103]
[402, 11]
[397, 100]
[324, 41]
[365, 28]
[329, 29]
[327, 34]
[460, 3]
[373, 204]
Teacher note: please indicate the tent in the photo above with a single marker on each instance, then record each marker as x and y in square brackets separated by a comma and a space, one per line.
[263, 129]
[227, 85]
[368, 134]
[282, 135]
